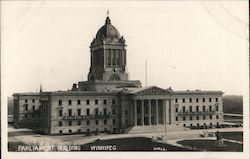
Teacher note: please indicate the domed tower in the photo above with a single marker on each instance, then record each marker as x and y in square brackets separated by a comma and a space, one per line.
[108, 55]
[108, 62]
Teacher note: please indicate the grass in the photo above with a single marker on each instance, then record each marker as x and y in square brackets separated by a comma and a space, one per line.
[133, 144]
[210, 145]
[233, 135]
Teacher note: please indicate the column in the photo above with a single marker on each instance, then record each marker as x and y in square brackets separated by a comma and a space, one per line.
[168, 115]
[135, 113]
[142, 112]
[149, 112]
[157, 112]
[171, 107]
[164, 110]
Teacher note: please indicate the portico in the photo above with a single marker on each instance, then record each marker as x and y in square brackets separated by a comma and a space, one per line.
[151, 106]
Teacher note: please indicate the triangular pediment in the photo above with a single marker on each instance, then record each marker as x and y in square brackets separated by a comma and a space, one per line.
[150, 90]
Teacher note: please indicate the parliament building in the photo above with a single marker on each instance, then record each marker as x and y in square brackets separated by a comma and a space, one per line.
[112, 103]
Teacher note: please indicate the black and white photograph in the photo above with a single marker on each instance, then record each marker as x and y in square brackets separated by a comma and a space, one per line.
[86, 78]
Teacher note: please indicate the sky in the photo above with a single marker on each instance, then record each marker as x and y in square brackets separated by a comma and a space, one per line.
[188, 45]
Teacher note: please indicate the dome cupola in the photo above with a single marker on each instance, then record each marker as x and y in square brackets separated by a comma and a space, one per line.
[108, 31]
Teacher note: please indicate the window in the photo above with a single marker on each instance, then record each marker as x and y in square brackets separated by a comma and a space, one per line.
[60, 131]
[59, 123]
[96, 101]
[96, 111]
[88, 111]
[60, 102]
[216, 99]
[190, 109]
[210, 116]
[217, 108]
[190, 100]
[70, 112]
[105, 122]
[79, 122]
[210, 108]
[197, 100]
[183, 109]
[184, 125]
[217, 116]
[204, 108]
[191, 118]
[184, 118]
[26, 108]
[70, 123]
[69, 102]
[88, 122]
[113, 121]
[183, 100]
[96, 122]
[197, 118]
[126, 121]
[33, 100]
[126, 112]
[113, 111]
[79, 112]
[210, 99]
[176, 100]
[197, 108]
[26, 100]
[70, 131]
[176, 110]
[105, 101]
[87, 102]
[105, 111]
[33, 107]
[78, 102]
[211, 123]
[60, 112]
[191, 125]
[203, 100]
[204, 117]
[113, 101]
[176, 118]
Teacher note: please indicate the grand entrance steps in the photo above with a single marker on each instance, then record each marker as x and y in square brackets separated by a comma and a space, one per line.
[155, 128]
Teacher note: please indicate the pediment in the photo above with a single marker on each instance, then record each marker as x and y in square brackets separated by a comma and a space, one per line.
[150, 90]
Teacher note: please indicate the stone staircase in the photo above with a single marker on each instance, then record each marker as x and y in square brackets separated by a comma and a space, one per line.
[154, 128]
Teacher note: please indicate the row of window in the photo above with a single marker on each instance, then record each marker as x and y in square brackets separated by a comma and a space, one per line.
[197, 100]
[97, 112]
[79, 122]
[197, 117]
[197, 109]
[87, 130]
[26, 100]
[87, 102]
[32, 116]
[199, 124]
[26, 107]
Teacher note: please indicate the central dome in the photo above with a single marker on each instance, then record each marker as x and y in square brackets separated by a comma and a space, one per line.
[108, 31]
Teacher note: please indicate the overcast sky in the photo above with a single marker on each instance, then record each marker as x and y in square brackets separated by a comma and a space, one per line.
[188, 45]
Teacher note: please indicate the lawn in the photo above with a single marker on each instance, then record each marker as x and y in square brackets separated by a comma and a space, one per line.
[133, 144]
[210, 145]
[233, 135]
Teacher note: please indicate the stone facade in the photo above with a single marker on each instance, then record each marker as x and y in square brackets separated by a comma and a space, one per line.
[110, 102]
